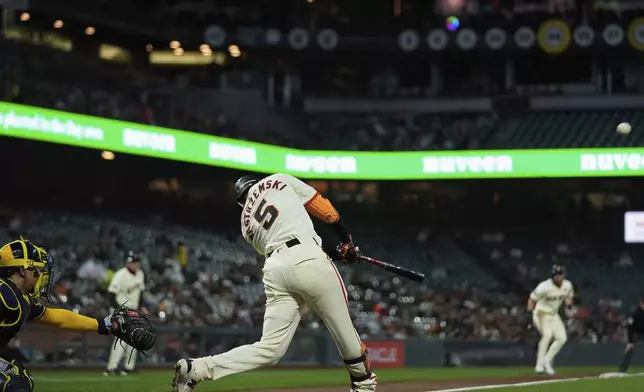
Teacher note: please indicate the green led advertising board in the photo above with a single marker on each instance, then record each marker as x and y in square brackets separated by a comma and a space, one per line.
[98, 133]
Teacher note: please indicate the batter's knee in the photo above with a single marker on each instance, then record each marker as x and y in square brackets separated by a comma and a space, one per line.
[561, 338]
[359, 368]
[14, 377]
[271, 353]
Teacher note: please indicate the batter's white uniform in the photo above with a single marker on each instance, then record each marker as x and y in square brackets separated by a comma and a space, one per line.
[297, 273]
[128, 288]
[548, 298]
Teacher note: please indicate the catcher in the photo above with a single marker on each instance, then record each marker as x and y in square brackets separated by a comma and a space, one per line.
[26, 274]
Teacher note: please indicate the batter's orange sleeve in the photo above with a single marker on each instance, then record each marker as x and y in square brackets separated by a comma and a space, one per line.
[321, 208]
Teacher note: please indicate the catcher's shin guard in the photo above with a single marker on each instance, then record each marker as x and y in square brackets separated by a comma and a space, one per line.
[360, 372]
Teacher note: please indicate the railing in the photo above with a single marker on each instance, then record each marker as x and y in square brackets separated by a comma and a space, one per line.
[51, 347]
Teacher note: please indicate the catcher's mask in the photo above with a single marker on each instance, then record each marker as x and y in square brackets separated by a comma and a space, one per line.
[242, 185]
[23, 254]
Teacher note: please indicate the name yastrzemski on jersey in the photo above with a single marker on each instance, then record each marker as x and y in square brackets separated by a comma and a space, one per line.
[260, 188]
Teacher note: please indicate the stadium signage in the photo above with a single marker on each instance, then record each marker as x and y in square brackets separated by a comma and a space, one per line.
[321, 164]
[149, 140]
[36, 123]
[232, 153]
[611, 162]
[53, 126]
[387, 354]
[468, 164]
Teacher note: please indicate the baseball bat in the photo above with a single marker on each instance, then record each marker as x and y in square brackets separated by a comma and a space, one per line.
[394, 269]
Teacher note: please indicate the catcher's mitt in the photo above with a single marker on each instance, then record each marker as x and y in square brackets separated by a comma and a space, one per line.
[134, 328]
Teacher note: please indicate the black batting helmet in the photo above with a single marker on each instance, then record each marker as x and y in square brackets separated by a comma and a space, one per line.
[132, 257]
[242, 185]
[558, 270]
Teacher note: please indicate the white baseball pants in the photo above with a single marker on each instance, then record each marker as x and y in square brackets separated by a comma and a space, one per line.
[553, 336]
[293, 279]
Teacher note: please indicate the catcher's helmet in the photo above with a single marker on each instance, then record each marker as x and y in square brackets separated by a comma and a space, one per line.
[558, 270]
[23, 254]
[242, 185]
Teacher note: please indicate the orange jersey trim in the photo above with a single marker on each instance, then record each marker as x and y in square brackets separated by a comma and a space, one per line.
[321, 208]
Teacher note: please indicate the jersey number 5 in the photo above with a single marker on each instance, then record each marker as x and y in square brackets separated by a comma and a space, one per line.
[266, 214]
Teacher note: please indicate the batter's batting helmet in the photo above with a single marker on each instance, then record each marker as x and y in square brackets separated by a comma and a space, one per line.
[242, 185]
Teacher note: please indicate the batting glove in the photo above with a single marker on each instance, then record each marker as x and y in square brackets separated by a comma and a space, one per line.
[349, 252]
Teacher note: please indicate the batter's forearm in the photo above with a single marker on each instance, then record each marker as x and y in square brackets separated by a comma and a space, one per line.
[341, 230]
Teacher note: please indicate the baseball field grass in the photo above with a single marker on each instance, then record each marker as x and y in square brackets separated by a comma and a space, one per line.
[400, 380]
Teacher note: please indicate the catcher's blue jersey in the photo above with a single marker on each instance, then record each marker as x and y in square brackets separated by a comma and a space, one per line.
[15, 310]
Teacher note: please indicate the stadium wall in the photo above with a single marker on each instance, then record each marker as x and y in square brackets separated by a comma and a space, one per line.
[312, 348]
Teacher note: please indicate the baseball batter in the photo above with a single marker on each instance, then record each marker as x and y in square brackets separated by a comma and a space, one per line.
[544, 304]
[126, 287]
[297, 273]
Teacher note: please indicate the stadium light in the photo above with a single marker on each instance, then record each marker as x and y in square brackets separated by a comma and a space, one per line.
[234, 51]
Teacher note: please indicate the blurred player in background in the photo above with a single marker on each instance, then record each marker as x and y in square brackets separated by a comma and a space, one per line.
[297, 274]
[27, 275]
[126, 287]
[635, 331]
[545, 302]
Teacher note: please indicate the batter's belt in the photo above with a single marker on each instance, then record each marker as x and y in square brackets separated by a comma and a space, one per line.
[289, 244]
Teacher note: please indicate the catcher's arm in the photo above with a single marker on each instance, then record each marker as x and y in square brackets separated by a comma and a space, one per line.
[67, 319]
[10, 308]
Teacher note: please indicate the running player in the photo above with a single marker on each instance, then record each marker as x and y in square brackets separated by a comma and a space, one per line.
[545, 302]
